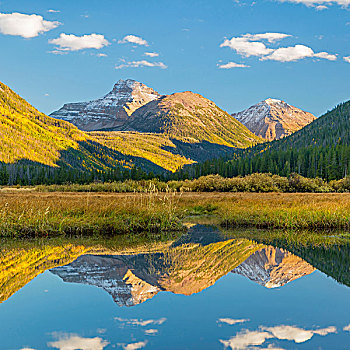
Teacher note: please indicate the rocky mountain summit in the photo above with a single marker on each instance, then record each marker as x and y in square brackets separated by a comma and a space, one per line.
[110, 111]
[274, 119]
[273, 267]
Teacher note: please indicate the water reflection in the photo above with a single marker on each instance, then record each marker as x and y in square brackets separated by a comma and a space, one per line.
[188, 265]
[185, 268]
[227, 292]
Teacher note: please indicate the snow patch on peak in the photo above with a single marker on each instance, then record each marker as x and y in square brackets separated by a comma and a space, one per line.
[272, 101]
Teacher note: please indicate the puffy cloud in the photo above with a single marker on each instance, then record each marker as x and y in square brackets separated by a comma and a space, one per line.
[319, 3]
[295, 53]
[151, 54]
[140, 322]
[326, 56]
[151, 331]
[230, 65]
[142, 63]
[289, 54]
[26, 26]
[270, 37]
[246, 48]
[232, 321]
[71, 42]
[134, 346]
[75, 342]
[250, 44]
[346, 59]
[133, 39]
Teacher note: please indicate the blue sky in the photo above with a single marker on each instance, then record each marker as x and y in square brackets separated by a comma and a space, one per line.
[46, 58]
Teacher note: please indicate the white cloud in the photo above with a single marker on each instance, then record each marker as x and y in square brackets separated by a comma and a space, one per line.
[246, 48]
[26, 26]
[289, 54]
[101, 55]
[347, 328]
[75, 342]
[250, 44]
[151, 54]
[134, 346]
[133, 39]
[317, 3]
[230, 65]
[270, 37]
[53, 11]
[346, 59]
[140, 322]
[142, 63]
[232, 321]
[151, 331]
[27, 349]
[326, 56]
[295, 53]
[71, 42]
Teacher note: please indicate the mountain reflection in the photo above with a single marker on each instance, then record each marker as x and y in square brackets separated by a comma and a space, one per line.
[187, 265]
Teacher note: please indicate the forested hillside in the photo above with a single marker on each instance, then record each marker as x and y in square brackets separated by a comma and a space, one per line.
[321, 149]
[35, 148]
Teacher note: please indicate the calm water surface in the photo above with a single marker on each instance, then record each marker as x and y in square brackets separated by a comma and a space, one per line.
[203, 290]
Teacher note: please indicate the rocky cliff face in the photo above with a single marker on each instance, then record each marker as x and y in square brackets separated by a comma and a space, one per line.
[273, 267]
[111, 273]
[274, 119]
[111, 111]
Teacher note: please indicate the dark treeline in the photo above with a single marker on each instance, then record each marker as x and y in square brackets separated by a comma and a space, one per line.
[32, 175]
[321, 149]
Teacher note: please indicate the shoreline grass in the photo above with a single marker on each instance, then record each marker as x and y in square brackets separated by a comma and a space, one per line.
[110, 214]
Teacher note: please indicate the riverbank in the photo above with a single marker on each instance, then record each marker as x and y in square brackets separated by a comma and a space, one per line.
[58, 213]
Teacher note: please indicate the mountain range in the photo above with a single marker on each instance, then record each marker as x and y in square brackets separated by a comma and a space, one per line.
[185, 128]
[135, 127]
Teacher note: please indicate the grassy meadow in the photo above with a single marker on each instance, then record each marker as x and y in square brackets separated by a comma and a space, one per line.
[31, 213]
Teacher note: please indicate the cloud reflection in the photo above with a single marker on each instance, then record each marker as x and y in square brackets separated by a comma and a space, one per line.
[76, 342]
[232, 321]
[134, 346]
[245, 339]
[140, 322]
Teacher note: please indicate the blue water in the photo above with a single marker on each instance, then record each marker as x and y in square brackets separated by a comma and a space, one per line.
[311, 312]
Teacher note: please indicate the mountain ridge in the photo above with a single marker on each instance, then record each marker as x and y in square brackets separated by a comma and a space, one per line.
[273, 119]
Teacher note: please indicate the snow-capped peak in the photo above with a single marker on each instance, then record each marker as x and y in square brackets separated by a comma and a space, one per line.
[273, 119]
[110, 111]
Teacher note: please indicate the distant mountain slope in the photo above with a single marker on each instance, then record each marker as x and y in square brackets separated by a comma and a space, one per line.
[196, 132]
[25, 133]
[320, 149]
[273, 119]
[191, 118]
[110, 111]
